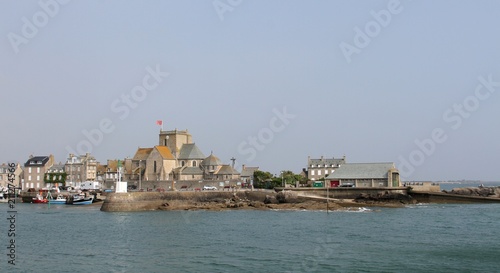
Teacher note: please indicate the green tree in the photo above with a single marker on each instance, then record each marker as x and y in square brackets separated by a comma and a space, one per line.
[262, 180]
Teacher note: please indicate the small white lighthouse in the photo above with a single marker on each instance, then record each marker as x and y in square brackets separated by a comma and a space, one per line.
[120, 186]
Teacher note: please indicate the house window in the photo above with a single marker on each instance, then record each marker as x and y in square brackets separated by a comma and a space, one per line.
[29, 178]
[312, 172]
[319, 172]
[38, 170]
[29, 170]
[183, 163]
[154, 166]
[194, 163]
[37, 178]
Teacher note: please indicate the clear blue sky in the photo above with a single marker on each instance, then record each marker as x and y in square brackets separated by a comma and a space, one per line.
[267, 82]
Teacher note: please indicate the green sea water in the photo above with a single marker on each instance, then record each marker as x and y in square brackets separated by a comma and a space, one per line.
[420, 238]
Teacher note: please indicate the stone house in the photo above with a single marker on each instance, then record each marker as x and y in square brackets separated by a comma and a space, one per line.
[4, 175]
[55, 176]
[34, 171]
[365, 175]
[322, 167]
[80, 168]
[247, 174]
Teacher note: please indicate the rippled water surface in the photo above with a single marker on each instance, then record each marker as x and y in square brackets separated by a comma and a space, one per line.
[422, 238]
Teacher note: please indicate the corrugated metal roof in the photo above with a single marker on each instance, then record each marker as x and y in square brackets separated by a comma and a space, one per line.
[362, 171]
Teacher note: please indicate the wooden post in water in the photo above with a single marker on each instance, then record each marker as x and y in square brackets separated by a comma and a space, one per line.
[327, 197]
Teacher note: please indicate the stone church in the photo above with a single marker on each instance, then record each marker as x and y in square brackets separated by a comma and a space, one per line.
[177, 158]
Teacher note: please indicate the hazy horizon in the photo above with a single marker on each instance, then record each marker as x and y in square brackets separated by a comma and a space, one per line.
[416, 83]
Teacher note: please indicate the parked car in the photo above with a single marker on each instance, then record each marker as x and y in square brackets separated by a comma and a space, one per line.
[209, 188]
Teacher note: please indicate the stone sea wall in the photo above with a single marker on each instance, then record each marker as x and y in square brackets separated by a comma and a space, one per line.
[143, 201]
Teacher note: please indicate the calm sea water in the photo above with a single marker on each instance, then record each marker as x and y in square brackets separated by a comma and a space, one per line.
[420, 238]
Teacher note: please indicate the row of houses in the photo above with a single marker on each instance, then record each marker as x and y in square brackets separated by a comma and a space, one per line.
[336, 172]
[176, 158]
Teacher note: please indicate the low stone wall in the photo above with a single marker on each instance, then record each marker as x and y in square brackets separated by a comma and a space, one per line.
[143, 201]
[347, 193]
[437, 197]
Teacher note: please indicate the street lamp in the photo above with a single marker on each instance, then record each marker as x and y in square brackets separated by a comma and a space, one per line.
[140, 171]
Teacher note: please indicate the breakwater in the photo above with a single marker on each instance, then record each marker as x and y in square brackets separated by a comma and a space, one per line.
[143, 201]
[310, 198]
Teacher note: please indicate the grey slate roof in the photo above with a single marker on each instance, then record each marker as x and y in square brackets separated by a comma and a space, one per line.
[227, 169]
[362, 171]
[211, 160]
[248, 171]
[326, 161]
[57, 168]
[190, 151]
[37, 161]
[192, 170]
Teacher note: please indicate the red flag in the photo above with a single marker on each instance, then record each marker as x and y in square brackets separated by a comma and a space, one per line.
[159, 122]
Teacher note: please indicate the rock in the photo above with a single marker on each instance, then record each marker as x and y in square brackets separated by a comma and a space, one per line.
[287, 197]
[385, 198]
[270, 199]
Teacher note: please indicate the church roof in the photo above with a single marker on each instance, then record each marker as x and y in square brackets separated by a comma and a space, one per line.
[227, 169]
[192, 170]
[164, 152]
[211, 160]
[190, 151]
[142, 153]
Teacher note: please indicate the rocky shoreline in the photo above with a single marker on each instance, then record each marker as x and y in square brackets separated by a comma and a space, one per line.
[288, 201]
[285, 200]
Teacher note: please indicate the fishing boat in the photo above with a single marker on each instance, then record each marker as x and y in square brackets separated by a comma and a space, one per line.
[39, 199]
[60, 199]
[80, 199]
[3, 198]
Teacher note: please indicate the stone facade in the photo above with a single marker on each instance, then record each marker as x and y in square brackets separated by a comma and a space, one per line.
[4, 175]
[365, 175]
[322, 167]
[34, 171]
[80, 168]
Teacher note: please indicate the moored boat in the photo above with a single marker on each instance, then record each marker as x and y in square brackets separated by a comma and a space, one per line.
[80, 199]
[3, 198]
[60, 199]
[39, 199]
